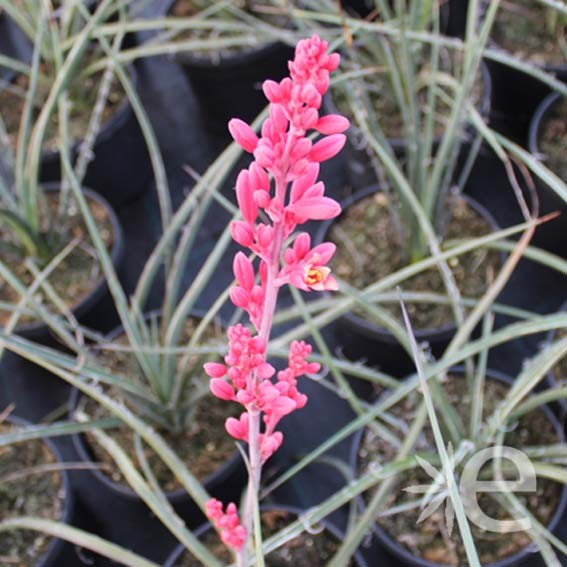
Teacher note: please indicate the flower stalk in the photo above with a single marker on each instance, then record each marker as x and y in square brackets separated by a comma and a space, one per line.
[281, 182]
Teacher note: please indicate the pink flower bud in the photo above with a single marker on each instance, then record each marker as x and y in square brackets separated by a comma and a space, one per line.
[282, 405]
[243, 271]
[221, 389]
[265, 371]
[243, 135]
[272, 90]
[242, 233]
[244, 196]
[301, 245]
[318, 208]
[327, 148]
[262, 198]
[332, 124]
[278, 118]
[239, 297]
[322, 253]
[300, 185]
[238, 428]
[215, 369]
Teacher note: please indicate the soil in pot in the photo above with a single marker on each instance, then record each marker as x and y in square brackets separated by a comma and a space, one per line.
[368, 249]
[304, 550]
[73, 278]
[379, 97]
[528, 31]
[203, 443]
[428, 539]
[271, 12]
[83, 93]
[552, 142]
[27, 490]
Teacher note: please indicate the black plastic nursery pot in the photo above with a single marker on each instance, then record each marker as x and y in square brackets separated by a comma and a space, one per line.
[362, 340]
[550, 235]
[230, 85]
[399, 556]
[33, 390]
[13, 44]
[327, 526]
[356, 153]
[560, 406]
[516, 94]
[121, 168]
[57, 552]
[88, 311]
[226, 482]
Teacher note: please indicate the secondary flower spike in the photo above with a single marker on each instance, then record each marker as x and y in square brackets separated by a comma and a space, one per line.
[278, 192]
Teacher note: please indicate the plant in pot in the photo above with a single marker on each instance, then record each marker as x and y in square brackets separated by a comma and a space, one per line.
[102, 108]
[485, 427]
[49, 270]
[533, 33]
[546, 141]
[233, 47]
[33, 482]
[418, 207]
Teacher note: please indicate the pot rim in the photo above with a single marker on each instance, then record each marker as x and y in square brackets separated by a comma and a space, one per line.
[55, 544]
[80, 443]
[295, 510]
[116, 254]
[401, 552]
[238, 58]
[374, 331]
[536, 122]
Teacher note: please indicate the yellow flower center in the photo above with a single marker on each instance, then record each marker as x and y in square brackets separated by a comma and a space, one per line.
[314, 276]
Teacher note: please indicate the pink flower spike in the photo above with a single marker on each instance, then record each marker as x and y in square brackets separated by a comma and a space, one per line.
[332, 124]
[221, 389]
[243, 271]
[327, 147]
[243, 135]
[215, 369]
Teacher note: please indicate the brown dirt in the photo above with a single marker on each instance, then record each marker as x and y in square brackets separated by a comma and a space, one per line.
[428, 539]
[75, 277]
[306, 550]
[24, 493]
[368, 249]
[560, 369]
[522, 28]
[201, 441]
[383, 102]
[83, 94]
[553, 138]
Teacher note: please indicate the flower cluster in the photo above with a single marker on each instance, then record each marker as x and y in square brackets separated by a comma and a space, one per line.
[278, 192]
[232, 533]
